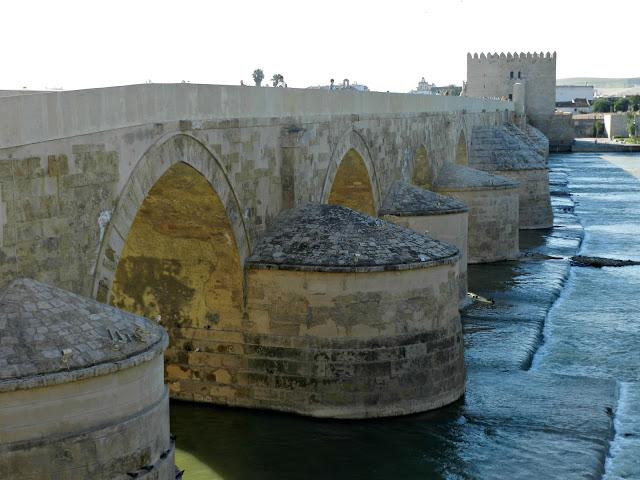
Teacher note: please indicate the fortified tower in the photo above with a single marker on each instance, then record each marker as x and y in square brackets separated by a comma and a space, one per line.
[494, 75]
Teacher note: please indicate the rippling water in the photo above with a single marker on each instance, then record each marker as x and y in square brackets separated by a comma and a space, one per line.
[532, 410]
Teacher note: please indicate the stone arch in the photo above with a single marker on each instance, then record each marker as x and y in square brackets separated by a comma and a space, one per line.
[351, 186]
[174, 252]
[195, 165]
[179, 262]
[461, 151]
[351, 178]
[423, 171]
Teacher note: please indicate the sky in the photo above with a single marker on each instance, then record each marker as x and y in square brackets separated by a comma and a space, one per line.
[387, 45]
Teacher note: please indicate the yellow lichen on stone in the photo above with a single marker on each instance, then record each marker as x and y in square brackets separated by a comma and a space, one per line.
[180, 263]
[461, 150]
[422, 169]
[352, 186]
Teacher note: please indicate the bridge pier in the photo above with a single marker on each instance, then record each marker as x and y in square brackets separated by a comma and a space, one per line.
[439, 217]
[352, 317]
[507, 151]
[493, 210]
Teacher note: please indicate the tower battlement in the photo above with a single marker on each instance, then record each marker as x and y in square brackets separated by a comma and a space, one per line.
[495, 74]
[515, 56]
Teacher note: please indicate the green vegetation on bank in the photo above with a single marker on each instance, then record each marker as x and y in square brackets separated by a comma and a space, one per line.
[621, 104]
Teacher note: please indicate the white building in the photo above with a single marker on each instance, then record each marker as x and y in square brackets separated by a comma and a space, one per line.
[425, 88]
[577, 105]
[568, 93]
[345, 85]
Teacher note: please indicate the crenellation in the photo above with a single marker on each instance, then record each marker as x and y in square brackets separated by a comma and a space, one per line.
[510, 57]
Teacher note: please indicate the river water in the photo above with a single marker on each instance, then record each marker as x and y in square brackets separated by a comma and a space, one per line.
[553, 387]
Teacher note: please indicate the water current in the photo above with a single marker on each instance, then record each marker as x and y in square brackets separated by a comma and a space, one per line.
[553, 387]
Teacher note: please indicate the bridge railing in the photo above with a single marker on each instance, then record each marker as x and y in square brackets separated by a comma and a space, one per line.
[38, 117]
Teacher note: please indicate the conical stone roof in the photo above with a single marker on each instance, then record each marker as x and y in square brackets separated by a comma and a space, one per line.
[404, 199]
[454, 177]
[331, 238]
[503, 148]
[49, 336]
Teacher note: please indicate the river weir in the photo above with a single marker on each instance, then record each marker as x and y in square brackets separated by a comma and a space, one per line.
[553, 367]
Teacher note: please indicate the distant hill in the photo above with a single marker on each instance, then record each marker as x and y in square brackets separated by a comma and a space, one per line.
[600, 82]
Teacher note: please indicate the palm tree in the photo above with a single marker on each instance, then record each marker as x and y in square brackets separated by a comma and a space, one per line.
[258, 76]
[276, 79]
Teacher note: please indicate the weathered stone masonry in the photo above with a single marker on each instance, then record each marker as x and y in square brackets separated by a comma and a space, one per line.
[81, 389]
[244, 165]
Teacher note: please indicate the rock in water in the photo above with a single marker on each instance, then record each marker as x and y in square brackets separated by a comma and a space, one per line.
[599, 262]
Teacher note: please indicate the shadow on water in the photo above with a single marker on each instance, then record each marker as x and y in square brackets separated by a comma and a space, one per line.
[243, 444]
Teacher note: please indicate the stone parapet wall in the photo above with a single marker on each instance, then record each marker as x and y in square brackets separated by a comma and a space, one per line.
[47, 116]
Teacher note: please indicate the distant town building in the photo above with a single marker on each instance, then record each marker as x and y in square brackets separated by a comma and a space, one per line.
[346, 85]
[425, 88]
[574, 98]
[567, 93]
[577, 105]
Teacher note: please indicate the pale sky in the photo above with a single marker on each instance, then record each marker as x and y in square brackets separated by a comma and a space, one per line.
[387, 45]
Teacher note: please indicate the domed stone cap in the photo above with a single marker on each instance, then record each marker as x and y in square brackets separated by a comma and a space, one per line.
[331, 238]
[454, 177]
[503, 148]
[404, 199]
[50, 336]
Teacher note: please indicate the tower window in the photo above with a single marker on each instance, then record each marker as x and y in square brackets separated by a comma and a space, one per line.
[519, 75]
[511, 75]
[510, 96]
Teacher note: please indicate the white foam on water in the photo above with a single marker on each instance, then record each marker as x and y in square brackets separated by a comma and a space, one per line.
[546, 340]
[623, 460]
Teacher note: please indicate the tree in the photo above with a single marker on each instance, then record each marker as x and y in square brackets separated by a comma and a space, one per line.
[634, 103]
[631, 124]
[258, 76]
[598, 128]
[621, 105]
[277, 79]
[602, 105]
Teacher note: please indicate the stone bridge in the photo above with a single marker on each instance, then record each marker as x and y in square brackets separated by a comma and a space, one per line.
[168, 201]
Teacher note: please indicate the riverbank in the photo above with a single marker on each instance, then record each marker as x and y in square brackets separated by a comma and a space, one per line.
[602, 145]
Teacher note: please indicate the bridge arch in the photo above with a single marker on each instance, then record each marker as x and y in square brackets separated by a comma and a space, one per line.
[351, 178]
[177, 228]
[461, 153]
[423, 169]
